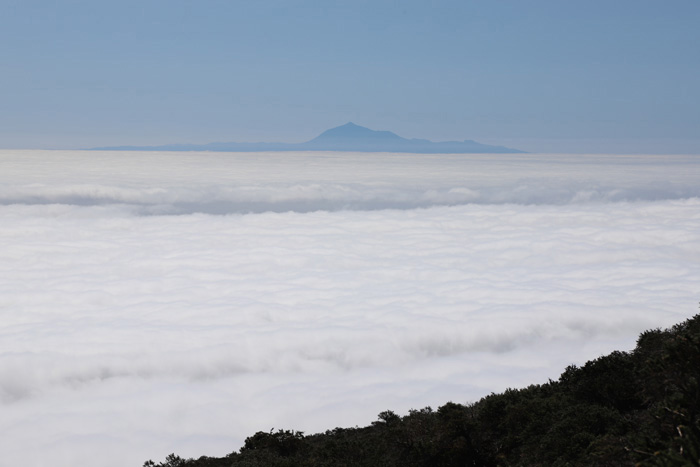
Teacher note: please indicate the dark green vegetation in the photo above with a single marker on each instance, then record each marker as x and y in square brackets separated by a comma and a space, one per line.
[626, 408]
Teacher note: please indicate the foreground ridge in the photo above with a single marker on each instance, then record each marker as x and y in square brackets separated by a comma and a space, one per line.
[623, 409]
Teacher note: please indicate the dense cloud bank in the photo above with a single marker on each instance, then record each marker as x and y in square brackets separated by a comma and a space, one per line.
[176, 183]
[127, 332]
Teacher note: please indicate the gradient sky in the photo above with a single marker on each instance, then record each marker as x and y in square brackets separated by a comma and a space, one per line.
[543, 76]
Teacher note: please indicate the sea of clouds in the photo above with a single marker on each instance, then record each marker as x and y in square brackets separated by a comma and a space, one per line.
[178, 302]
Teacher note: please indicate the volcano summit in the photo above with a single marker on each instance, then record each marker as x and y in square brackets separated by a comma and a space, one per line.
[348, 137]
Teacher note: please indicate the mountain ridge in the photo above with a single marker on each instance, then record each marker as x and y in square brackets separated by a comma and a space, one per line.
[347, 137]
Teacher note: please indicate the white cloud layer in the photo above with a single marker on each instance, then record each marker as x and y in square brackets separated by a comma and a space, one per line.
[160, 302]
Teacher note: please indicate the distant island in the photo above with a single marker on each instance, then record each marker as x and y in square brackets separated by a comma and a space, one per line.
[348, 137]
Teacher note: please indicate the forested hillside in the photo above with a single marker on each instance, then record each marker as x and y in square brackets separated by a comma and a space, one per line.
[627, 408]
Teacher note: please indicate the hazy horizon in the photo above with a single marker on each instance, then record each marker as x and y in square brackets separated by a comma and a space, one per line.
[592, 146]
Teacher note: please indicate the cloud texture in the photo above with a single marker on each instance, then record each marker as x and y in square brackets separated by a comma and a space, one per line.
[159, 302]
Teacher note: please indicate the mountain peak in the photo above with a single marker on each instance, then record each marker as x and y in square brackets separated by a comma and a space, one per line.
[352, 133]
[347, 137]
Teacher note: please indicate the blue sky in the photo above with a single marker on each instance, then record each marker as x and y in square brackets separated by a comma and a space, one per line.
[551, 76]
